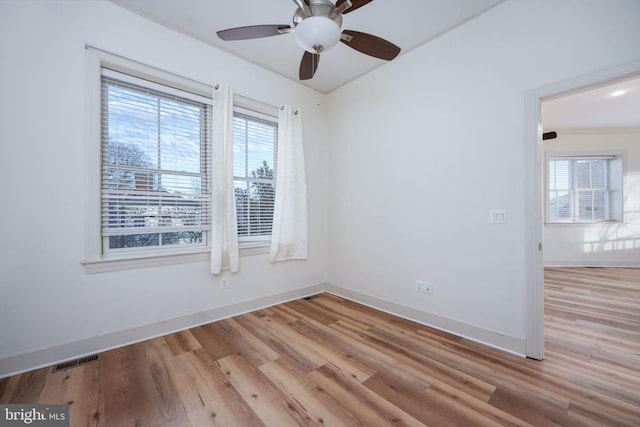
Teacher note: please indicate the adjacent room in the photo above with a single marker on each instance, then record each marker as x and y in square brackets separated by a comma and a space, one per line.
[428, 217]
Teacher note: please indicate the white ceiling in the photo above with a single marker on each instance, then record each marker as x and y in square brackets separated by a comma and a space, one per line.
[406, 23]
[610, 105]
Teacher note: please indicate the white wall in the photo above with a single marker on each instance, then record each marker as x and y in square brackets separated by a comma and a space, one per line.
[46, 297]
[420, 150]
[603, 244]
[424, 147]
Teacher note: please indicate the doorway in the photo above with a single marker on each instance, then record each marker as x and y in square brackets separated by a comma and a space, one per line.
[534, 217]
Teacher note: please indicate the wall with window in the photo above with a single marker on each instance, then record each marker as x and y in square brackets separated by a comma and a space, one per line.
[47, 298]
[443, 145]
[588, 243]
[404, 166]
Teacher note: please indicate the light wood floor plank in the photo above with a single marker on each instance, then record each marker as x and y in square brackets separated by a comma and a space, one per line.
[125, 400]
[81, 388]
[222, 403]
[182, 342]
[366, 405]
[283, 345]
[161, 385]
[333, 362]
[246, 343]
[7, 387]
[321, 407]
[273, 407]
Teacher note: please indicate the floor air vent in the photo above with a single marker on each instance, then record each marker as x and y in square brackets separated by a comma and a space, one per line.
[73, 363]
[309, 298]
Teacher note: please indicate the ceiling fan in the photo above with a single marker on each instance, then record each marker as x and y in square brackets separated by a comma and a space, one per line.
[317, 26]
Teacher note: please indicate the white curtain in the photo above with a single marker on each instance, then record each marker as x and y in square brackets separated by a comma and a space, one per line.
[224, 235]
[289, 236]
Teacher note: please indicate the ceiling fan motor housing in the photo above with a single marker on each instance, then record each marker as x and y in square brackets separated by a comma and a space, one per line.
[317, 26]
[322, 30]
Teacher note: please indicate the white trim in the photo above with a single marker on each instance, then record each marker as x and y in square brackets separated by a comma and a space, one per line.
[132, 260]
[250, 250]
[487, 337]
[554, 156]
[248, 109]
[93, 147]
[148, 72]
[615, 178]
[252, 107]
[534, 280]
[264, 239]
[151, 84]
[95, 260]
[533, 215]
[255, 114]
[18, 363]
[154, 260]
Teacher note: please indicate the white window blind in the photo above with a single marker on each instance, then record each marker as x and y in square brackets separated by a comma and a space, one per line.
[254, 162]
[583, 189]
[155, 178]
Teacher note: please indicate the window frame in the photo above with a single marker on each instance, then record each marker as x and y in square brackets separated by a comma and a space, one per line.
[261, 113]
[97, 260]
[163, 97]
[614, 186]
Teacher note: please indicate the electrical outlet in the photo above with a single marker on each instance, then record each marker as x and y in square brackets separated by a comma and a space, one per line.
[424, 287]
[428, 288]
[224, 283]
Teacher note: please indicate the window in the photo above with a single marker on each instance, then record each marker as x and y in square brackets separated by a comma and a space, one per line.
[154, 178]
[254, 163]
[584, 189]
[149, 158]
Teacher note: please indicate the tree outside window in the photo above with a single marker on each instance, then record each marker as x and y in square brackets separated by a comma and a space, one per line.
[254, 154]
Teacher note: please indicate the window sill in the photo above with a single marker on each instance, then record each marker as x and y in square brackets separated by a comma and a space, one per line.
[574, 223]
[143, 260]
[109, 263]
[255, 248]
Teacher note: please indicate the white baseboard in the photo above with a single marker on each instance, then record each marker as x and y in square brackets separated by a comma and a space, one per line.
[494, 339]
[73, 350]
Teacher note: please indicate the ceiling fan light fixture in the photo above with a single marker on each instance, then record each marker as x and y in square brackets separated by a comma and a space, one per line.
[317, 34]
[317, 27]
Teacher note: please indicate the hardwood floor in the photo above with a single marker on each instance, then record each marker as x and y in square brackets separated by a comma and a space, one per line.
[329, 361]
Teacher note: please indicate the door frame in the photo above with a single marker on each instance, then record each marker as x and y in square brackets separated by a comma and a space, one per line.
[534, 264]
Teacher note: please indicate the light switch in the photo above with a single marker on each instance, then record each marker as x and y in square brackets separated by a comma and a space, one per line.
[498, 216]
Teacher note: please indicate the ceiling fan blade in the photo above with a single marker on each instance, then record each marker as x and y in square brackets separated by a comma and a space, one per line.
[370, 45]
[309, 65]
[304, 6]
[253, 32]
[356, 4]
